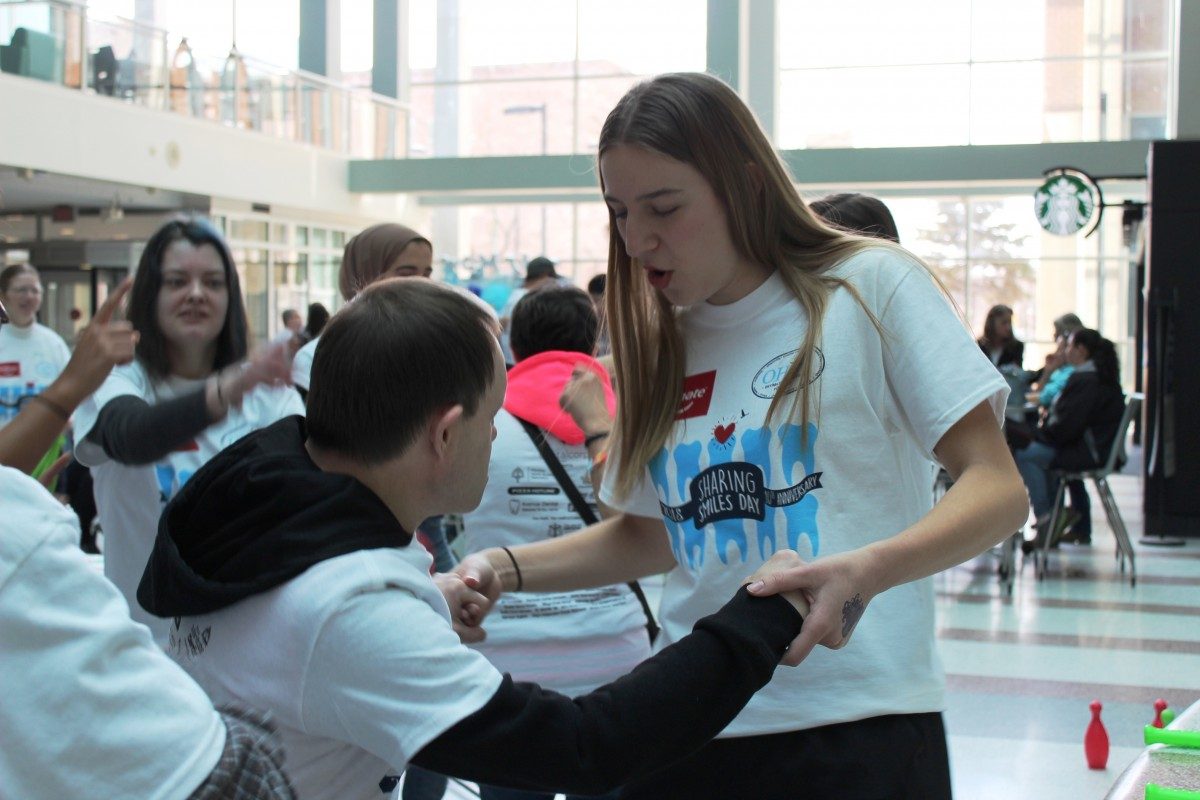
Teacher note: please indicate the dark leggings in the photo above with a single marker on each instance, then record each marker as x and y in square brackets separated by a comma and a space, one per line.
[894, 757]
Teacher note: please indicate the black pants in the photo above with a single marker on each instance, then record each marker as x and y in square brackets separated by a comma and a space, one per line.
[895, 757]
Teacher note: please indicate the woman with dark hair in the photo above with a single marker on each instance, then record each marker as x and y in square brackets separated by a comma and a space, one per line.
[318, 315]
[1078, 430]
[857, 213]
[189, 392]
[998, 341]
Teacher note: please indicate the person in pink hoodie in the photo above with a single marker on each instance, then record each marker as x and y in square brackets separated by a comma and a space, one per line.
[575, 641]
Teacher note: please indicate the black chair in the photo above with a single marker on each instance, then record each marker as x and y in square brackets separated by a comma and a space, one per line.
[104, 70]
[1099, 476]
[1006, 551]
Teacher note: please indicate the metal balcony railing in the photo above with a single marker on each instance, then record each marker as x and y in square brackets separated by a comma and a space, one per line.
[66, 43]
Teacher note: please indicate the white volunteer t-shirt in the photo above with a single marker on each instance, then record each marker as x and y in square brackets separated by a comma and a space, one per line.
[91, 706]
[571, 642]
[355, 659]
[30, 360]
[302, 364]
[130, 498]
[734, 490]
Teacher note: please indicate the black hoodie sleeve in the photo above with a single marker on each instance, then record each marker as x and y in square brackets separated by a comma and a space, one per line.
[131, 431]
[526, 737]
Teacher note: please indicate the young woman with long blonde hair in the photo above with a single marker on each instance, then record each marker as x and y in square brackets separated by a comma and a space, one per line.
[781, 385]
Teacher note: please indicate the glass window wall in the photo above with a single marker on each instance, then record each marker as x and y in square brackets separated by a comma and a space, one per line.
[534, 77]
[955, 72]
[283, 265]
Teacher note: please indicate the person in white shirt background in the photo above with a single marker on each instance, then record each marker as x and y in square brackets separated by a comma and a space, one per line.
[571, 642]
[190, 392]
[289, 335]
[781, 384]
[31, 355]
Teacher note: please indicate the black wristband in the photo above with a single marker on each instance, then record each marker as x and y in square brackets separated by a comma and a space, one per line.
[595, 437]
[516, 567]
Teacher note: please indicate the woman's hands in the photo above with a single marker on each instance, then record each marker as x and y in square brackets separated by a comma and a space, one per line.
[779, 563]
[103, 344]
[583, 398]
[468, 607]
[837, 588]
[268, 367]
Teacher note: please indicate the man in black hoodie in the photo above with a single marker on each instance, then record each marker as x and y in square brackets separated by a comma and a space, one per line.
[289, 568]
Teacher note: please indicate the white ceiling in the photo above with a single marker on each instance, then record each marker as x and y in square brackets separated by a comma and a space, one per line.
[24, 190]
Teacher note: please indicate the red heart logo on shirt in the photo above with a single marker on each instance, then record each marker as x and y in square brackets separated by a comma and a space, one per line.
[723, 432]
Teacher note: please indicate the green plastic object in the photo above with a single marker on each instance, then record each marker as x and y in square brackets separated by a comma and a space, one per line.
[1166, 736]
[1156, 792]
[48, 460]
[1168, 716]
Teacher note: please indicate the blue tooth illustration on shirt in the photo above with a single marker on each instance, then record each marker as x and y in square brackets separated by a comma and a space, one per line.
[740, 483]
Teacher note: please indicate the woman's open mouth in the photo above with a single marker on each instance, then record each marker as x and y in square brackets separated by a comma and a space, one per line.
[659, 278]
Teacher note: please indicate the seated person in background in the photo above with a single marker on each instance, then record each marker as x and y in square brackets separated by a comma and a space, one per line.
[998, 342]
[1051, 379]
[91, 703]
[290, 563]
[857, 213]
[1078, 431]
[1053, 376]
[571, 642]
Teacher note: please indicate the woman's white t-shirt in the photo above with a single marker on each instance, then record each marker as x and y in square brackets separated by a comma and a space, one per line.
[30, 360]
[732, 490]
[130, 498]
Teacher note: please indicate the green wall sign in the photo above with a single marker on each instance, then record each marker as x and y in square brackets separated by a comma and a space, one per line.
[1064, 204]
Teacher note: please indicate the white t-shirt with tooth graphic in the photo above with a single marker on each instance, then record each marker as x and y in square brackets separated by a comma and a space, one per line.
[732, 490]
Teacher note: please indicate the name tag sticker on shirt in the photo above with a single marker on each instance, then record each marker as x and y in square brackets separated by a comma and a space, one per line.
[697, 395]
[10, 369]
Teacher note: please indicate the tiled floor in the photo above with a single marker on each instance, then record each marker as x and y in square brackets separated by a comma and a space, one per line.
[1021, 671]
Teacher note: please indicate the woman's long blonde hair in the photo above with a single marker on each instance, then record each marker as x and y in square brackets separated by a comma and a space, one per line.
[698, 120]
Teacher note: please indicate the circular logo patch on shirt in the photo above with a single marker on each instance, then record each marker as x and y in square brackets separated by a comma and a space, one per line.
[770, 375]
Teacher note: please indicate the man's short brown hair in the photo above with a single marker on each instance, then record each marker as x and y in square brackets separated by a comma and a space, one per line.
[402, 350]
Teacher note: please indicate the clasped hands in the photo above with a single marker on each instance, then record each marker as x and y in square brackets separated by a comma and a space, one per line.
[831, 594]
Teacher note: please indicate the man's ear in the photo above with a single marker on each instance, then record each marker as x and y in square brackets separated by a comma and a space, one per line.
[443, 426]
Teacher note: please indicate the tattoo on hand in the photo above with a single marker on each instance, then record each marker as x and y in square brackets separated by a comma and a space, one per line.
[852, 611]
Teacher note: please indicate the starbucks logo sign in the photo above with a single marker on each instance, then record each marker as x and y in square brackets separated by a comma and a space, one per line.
[1064, 204]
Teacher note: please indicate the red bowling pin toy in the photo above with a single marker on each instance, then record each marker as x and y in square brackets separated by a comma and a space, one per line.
[1095, 741]
[1160, 706]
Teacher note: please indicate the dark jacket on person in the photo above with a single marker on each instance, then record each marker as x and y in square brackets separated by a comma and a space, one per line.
[1083, 421]
[1013, 352]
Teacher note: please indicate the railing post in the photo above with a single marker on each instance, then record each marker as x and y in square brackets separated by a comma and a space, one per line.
[83, 49]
